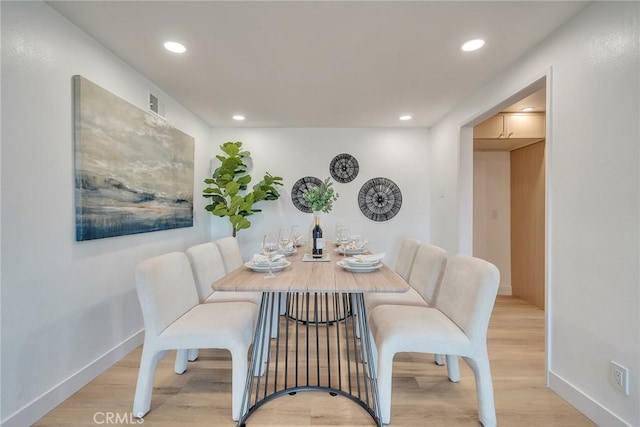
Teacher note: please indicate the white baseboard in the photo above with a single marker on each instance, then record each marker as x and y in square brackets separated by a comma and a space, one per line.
[584, 403]
[504, 290]
[41, 405]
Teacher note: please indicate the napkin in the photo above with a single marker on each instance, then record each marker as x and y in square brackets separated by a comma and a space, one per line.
[365, 259]
[355, 244]
[259, 259]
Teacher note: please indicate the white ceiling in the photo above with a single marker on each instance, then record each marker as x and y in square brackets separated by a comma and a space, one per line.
[319, 63]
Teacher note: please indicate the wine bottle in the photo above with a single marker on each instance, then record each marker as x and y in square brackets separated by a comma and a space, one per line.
[318, 241]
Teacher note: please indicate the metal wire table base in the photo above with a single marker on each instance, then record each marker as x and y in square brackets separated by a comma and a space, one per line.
[310, 353]
[314, 309]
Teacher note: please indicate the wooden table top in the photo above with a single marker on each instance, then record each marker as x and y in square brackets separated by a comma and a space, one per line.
[312, 277]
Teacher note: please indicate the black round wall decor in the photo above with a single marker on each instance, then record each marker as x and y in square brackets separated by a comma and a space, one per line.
[380, 199]
[299, 188]
[344, 168]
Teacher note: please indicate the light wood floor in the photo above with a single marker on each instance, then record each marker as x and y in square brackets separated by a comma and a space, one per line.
[422, 394]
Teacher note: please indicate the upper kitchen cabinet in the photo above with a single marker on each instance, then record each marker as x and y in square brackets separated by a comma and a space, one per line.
[509, 131]
[511, 125]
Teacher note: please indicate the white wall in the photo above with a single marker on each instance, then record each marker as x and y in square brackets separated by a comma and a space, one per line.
[397, 154]
[69, 309]
[492, 212]
[594, 208]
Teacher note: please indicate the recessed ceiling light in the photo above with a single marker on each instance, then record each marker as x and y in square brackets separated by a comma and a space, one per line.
[238, 117]
[405, 117]
[472, 45]
[175, 47]
[527, 109]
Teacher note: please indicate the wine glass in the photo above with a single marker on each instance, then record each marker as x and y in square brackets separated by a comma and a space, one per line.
[270, 249]
[343, 238]
[284, 238]
[295, 235]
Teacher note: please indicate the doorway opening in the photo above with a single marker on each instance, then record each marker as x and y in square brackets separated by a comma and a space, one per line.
[466, 202]
[509, 196]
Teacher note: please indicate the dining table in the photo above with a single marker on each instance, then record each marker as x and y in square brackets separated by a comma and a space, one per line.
[312, 331]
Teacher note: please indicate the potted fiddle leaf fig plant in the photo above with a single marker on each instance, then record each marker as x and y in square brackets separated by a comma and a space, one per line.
[229, 180]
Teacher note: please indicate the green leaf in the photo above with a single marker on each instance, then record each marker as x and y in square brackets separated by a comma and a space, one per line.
[235, 202]
[244, 180]
[239, 222]
[216, 199]
[231, 148]
[244, 207]
[250, 198]
[231, 189]
[220, 210]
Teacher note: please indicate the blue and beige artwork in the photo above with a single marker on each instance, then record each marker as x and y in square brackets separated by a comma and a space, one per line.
[134, 172]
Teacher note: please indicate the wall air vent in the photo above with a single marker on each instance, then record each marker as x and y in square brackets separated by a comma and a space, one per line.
[156, 105]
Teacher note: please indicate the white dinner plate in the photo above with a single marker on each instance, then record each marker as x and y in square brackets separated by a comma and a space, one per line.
[354, 262]
[277, 265]
[347, 251]
[359, 269]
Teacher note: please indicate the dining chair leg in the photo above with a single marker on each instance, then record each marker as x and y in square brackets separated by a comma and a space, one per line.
[484, 389]
[144, 386]
[182, 356]
[453, 368]
[385, 370]
[239, 367]
[193, 354]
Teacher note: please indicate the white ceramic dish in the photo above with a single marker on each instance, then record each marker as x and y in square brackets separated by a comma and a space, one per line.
[354, 262]
[359, 269]
[277, 265]
[347, 251]
[290, 252]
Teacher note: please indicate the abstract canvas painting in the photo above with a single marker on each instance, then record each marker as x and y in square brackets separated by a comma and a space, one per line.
[133, 171]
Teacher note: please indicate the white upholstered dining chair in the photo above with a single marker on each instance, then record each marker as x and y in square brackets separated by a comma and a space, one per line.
[230, 251]
[207, 266]
[427, 266]
[455, 326]
[174, 319]
[406, 256]
[424, 277]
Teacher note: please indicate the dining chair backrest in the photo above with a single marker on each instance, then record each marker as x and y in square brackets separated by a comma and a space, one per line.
[406, 257]
[207, 266]
[467, 294]
[166, 290]
[427, 271]
[230, 251]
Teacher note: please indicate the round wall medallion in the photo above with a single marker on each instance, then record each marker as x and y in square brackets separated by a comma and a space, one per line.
[380, 199]
[344, 168]
[299, 188]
